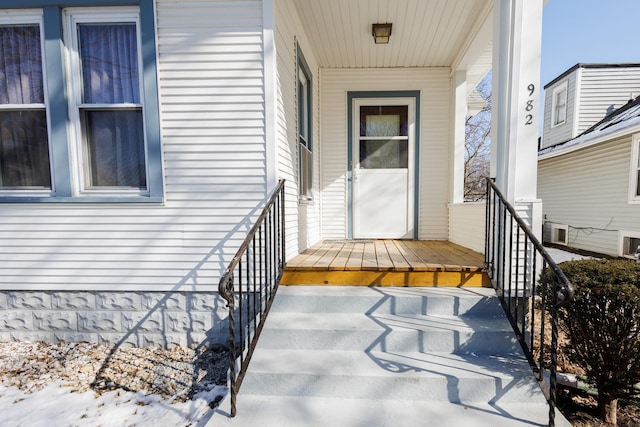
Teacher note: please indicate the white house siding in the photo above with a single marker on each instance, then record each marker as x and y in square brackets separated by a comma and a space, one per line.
[212, 120]
[564, 132]
[97, 268]
[434, 86]
[588, 191]
[303, 228]
[467, 225]
[602, 88]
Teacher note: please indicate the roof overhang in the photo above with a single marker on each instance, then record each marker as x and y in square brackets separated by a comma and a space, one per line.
[426, 33]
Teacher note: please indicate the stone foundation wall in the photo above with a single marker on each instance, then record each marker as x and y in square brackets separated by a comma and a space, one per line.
[141, 319]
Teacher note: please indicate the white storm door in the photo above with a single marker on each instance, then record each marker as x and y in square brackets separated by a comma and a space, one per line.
[383, 168]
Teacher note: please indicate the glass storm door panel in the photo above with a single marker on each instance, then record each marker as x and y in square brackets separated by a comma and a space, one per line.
[383, 175]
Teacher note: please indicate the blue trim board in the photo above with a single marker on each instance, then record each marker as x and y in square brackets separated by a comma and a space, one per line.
[58, 101]
[151, 100]
[381, 94]
[302, 62]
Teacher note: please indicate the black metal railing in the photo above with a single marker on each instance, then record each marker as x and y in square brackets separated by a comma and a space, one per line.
[515, 260]
[249, 285]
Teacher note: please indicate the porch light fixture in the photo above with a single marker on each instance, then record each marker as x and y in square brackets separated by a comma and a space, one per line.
[381, 33]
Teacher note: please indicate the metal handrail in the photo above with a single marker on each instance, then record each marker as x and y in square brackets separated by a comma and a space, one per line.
[258, 267]
[514, 261]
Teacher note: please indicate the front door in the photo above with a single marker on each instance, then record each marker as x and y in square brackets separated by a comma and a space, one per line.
[383, 168]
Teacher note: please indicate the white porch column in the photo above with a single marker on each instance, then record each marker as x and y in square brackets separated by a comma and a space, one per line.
[270, 94]
[516, 91]
[459, 110]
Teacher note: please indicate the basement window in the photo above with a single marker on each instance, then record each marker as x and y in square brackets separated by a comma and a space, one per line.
[630, 244]
[558, 234]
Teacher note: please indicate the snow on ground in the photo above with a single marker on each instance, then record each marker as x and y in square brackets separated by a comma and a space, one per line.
[57, 406]
[84, 384]
[559, 255]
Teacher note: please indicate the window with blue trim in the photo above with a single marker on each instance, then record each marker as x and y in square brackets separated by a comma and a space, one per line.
[107, 151]
[305, 117]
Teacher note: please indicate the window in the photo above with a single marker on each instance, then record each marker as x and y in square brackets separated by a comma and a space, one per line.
[630, 244]
[559, 105]
[24, 143]
[106, 107]
[79, 124]
[634, 179]
[305, 116]
[557, 233]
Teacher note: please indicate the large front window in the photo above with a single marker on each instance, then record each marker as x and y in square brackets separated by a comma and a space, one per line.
[105, 76]
[73, 114]
[24, 143]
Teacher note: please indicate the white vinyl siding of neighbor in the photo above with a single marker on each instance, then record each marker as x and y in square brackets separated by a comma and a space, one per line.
[210, 74]
[587, 190]
[303, 228]
[434, 86]
[602, 88]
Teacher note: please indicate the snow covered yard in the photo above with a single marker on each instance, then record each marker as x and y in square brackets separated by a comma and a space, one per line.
[92, 385]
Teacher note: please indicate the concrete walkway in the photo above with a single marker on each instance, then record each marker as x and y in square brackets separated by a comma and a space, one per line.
[365, 356]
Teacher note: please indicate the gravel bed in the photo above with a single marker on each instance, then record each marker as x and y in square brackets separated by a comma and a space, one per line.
[176, 374]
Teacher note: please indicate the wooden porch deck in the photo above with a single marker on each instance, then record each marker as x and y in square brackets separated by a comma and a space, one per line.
[387, 263]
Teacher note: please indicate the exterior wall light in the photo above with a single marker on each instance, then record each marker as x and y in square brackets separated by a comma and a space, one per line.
[381, 33]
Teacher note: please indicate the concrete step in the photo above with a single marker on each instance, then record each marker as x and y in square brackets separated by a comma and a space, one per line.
[389, 332]
[362, 356]
[289, 411]
[435, 377]
[388, 300]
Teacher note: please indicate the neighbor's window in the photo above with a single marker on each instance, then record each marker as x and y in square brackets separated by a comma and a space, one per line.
[634, 180]
[24, 143]
[107, 107]
[559, 105]
[630, 244]
[305, 115]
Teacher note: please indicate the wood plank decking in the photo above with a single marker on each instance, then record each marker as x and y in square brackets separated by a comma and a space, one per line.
[387, 263]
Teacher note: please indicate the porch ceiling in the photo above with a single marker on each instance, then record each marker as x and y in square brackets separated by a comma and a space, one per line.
[426, 33]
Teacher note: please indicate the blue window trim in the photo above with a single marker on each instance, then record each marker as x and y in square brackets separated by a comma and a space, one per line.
[302, 64]
[58, 105]
[381, 94]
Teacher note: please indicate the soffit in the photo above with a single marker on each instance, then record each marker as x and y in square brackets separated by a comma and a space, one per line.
[426, 33]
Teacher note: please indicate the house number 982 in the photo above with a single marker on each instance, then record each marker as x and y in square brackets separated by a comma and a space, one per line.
[529, 107]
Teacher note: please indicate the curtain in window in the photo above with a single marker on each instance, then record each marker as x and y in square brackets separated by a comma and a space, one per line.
[114, 141]
[114, 148]
[109, 55]
[24, 149]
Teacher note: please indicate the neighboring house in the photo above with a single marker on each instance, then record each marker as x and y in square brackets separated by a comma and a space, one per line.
[140, 139]
[583, 95]
[590, 184]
